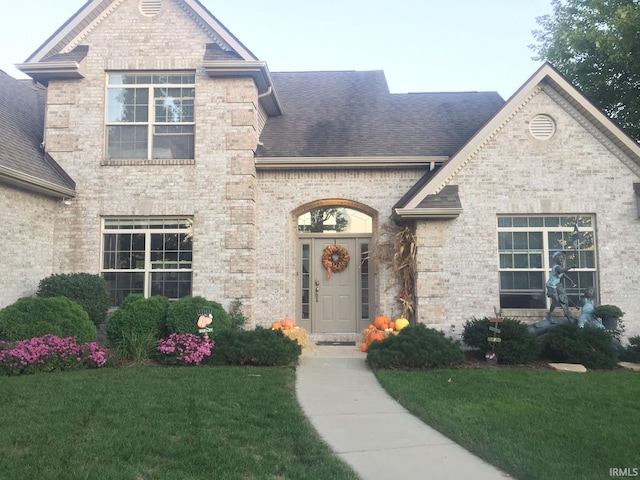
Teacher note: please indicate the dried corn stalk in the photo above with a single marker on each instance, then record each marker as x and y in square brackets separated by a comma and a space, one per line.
[399, 253]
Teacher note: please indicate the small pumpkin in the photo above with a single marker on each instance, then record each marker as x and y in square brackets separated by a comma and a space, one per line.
[364, 346]
[371, 326]
[392, 325]
[375, 337]
[276, 326]
[288, 323]
[401, 323]
[381, 322]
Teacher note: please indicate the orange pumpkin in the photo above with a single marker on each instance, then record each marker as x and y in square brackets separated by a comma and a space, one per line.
[288, 323]
[276, 326]
[381, 322]
[392, 325]
[375, 337]
[371, 327]
[364, 346]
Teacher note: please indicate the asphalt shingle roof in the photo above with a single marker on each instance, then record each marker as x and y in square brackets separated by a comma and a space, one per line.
[353, 113]
[22, 106]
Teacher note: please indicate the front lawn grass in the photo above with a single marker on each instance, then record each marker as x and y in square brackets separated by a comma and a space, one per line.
[533, 424]
[142, 423]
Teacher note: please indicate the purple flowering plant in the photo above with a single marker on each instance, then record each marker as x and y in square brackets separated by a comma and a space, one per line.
[184, 349]
[50, 353]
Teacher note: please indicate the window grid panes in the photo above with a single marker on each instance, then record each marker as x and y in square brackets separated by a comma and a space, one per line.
[364, 280]
[152, 256]
[306, 281]
[150, 116]
[525, 248]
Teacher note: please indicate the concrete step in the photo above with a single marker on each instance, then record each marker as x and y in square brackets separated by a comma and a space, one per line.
[334, 338]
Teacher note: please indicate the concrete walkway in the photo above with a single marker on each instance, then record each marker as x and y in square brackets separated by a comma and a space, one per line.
[369, 430]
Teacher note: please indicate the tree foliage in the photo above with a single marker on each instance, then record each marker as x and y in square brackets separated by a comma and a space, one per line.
[595, 44]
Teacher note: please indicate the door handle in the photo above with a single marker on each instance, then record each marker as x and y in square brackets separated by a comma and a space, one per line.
[317, 289]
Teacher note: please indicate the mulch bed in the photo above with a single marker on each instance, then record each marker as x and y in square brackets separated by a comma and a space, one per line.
[476, 359]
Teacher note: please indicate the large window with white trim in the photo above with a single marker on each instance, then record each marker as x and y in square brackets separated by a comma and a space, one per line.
[150, 256]
[150, 116]
[525, 248]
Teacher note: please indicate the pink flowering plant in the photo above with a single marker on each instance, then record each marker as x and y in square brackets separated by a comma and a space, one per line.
[184, 349]
[50, 353]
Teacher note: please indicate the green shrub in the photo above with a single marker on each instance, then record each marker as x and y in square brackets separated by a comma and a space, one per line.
[589, 346]
[236, 316]
[134, 329]
[517, 346]
[89, 291]
[32, 317]
[415, 347]
[632, 351]
[183, 314]
[261, 347]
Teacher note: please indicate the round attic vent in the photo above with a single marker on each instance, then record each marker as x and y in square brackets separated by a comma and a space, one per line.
[150, 8]
[542, 127]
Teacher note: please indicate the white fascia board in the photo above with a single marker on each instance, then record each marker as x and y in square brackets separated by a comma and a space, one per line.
[427, 213]
[39, 54]
[221, 30]
[346, 162]
[34, 184]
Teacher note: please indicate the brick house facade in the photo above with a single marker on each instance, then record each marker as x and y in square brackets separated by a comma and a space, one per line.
[473, 176]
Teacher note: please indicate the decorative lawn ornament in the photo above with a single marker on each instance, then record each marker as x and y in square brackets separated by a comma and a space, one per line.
[335, 259]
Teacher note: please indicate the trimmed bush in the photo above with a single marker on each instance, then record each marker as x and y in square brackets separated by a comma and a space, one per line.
[518, 346]
[183, 314]
[592, 347]
[32, 317]
[134, 329]
[632, 351]
[260, 347]
[415, 347]
[236, 316]
[89, 291]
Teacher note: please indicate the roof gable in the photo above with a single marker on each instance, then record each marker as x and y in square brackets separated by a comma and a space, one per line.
[72, 33]
[557, 86]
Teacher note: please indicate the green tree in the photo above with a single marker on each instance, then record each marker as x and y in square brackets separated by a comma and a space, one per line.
[595, 44]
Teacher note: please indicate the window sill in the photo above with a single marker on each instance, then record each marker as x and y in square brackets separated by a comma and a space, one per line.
[154, 161]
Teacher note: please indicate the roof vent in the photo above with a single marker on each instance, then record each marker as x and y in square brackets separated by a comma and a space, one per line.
[542, 127]
[150, 8]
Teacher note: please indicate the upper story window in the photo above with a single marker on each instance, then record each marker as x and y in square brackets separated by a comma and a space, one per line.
[150, 116]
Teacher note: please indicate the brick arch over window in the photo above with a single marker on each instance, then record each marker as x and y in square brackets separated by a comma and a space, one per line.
[337, 202]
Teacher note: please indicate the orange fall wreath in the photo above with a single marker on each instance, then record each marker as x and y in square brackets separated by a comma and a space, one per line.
[335, 259]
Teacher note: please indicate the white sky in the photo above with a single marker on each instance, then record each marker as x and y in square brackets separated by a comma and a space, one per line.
[422, 45]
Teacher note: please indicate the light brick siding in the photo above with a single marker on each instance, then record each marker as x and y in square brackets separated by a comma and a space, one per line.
[28, 232]
[516, 174]
[217, 189]
[280, 193]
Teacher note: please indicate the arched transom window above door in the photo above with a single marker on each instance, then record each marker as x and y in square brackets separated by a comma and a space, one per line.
[335, 219]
